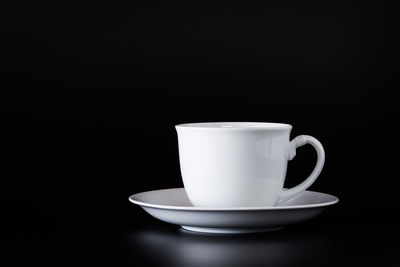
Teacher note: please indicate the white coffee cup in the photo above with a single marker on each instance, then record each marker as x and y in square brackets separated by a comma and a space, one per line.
[240, 164]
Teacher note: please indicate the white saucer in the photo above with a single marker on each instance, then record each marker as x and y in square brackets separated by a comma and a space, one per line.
[173, 206]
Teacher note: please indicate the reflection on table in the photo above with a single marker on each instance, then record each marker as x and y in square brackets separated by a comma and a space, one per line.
[177, 247]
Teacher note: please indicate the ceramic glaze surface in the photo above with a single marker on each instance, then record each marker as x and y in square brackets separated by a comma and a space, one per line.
[233, 164]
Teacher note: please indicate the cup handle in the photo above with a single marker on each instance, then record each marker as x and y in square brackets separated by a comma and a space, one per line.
[301, 140]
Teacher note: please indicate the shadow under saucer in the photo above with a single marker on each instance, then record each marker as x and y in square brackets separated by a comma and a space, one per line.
[166, 246]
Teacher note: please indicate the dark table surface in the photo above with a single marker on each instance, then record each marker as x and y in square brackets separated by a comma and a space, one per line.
[106, 237]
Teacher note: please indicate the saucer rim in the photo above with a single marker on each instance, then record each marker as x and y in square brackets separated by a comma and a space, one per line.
[261, 208]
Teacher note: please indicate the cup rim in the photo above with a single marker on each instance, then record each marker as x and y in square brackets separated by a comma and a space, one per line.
[235, 126]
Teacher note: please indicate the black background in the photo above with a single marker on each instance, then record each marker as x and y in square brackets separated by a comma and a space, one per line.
[91, 91]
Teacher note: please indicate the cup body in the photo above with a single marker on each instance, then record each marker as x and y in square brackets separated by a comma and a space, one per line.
[233, 164]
